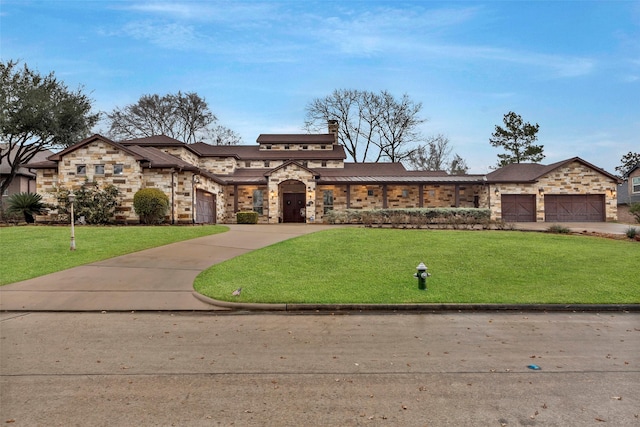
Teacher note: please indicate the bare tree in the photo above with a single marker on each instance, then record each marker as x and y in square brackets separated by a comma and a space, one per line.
[37, 113]
[185, 117]
[371, 126]
[435, 155]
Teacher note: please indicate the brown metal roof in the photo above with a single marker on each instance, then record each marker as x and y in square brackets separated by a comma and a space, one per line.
[157, 140]
[532, 172]
[159, 159]
[301, 138]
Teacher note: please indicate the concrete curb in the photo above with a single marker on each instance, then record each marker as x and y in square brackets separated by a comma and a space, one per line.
[419, 307]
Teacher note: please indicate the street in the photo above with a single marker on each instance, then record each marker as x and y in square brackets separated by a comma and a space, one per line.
[312, 369]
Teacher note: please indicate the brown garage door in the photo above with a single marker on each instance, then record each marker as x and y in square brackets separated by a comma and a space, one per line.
[574, 208]
[205, 207]
[518, 207]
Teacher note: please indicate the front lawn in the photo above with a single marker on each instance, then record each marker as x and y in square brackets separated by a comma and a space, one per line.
[33, 251]
[362, 266]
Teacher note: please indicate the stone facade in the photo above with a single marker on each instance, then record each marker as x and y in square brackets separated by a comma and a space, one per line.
[234, 181]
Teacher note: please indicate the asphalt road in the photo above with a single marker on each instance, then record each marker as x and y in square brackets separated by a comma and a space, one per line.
[311, 369]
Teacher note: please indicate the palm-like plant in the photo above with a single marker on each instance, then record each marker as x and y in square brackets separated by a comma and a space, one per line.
[27, 204]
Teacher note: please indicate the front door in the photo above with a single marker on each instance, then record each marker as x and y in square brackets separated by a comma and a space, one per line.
[293, 209]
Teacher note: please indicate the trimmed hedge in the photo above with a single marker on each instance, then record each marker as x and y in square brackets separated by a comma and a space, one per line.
[247, 217]
[415, 217]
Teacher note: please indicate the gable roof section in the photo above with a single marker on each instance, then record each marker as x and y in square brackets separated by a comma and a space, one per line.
[299, 138]
[58, 156]
[532, 172]
[289, 163]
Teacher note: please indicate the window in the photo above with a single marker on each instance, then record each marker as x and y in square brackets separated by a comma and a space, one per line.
[266, 163]
[118, 169]
[287, 147]
[99, 170]
[267, 147]
[327, 200]
[635, 182]
[81, 169]
[323, 147]
[369, 192]
[305, 147]
[405, 193]
[324, 163]
[257, 201]
[247, 164]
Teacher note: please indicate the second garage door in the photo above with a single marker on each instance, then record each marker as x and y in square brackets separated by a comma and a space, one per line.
[574, 208]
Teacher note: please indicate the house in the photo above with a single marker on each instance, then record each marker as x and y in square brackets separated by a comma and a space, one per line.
[25, 179]
[628, 194]
[300, 177]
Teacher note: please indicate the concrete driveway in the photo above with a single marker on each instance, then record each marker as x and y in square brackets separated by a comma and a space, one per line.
[162, 278]
[155, 279]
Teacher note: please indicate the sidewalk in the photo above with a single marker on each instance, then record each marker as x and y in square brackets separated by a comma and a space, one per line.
[162, 278]
[155, 279]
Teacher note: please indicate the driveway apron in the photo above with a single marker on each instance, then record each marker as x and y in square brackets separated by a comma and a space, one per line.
[155, 279]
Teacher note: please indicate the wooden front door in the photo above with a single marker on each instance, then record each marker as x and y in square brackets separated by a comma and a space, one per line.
[293, 207]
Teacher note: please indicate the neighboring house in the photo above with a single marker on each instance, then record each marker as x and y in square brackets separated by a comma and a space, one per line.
[300, 177]
[629, 193]
[25, 179]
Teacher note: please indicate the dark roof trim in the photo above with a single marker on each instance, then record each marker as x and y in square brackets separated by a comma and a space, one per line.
[301, 138]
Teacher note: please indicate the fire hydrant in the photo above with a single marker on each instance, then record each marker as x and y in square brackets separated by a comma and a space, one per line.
[422, 276]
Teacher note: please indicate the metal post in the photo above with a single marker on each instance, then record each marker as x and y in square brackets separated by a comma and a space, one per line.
[72, 198]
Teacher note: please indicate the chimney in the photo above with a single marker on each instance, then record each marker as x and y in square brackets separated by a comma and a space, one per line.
[333, 128]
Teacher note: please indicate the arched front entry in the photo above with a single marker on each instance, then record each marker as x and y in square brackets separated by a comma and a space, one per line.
[293, 198]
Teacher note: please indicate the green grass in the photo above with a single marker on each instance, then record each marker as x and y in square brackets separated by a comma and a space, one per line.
[32, 251]
[376, 266]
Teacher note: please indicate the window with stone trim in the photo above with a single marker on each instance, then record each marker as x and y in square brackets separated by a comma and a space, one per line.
[257, 201]
[81, 169]
[635, 184]
[99, 169]
[118, 169]
[327, 200]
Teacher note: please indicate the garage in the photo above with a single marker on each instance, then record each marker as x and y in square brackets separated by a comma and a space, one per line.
[518, 207]
[574, 208]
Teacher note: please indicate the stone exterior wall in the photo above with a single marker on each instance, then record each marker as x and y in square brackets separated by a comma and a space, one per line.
[575, 178]
[245, 202]
[218, 165]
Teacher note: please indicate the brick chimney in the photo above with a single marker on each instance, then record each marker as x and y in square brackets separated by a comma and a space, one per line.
[333, 128]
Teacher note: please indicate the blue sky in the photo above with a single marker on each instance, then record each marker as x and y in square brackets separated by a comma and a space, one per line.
[572, 67]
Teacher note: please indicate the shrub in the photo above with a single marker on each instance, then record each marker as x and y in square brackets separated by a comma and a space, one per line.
[456, 217]
[634, 209]
[27, 205]
[632, 232]
[558, 229]
[151, 205]
[97, 205]
[247, 217]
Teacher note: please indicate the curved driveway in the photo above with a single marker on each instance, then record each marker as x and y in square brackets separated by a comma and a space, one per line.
[162, 278]
[154, 279]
